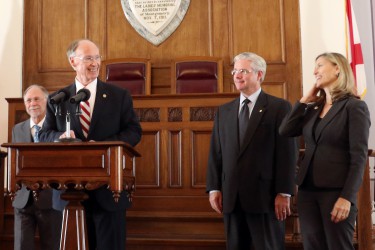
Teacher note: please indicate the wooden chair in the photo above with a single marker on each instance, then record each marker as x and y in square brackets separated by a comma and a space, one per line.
[133, 74]
[198, 74]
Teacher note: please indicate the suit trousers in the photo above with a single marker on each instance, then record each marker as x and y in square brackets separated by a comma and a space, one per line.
[48, 222]
[318, 231]
[258, 231]
[105, 229]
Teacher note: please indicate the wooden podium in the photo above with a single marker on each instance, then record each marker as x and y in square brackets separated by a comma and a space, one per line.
[73, 167]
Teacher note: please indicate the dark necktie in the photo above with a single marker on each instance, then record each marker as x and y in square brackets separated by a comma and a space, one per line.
[36, 134]
[243, 120]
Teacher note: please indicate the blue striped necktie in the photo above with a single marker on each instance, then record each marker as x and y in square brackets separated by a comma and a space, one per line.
[36, 134]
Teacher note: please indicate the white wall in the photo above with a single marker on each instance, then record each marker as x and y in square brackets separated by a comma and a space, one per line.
[11, 18]
[322, 30]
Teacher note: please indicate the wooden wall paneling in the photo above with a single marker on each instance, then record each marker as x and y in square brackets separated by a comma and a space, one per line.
[160, 78]
[174, 160]
[178, 212]
[56, 17]
[257, 28]
[30, 43]
[49, 26]
[281, 49]
[187, 162]
[148, 166]
[16, 114]
[200, 144]
[122, 41]
[191, 38]
[276, 88]
[293, 69]
[96, 22]
[275, 82]
[220, 28]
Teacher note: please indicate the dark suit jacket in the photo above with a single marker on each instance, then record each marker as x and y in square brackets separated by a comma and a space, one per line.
[265, 164]
[49, 198]
[113, 119]
[338, 152]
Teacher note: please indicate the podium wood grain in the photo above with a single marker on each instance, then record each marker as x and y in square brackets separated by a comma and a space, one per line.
[73, 167]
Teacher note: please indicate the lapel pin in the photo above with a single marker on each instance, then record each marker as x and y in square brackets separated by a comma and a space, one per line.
[104, 95]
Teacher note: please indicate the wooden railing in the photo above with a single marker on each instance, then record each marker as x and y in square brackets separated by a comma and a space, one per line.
[364, 222]
[2, 195]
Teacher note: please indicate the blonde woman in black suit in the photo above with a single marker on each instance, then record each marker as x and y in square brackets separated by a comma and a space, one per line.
[335, 126]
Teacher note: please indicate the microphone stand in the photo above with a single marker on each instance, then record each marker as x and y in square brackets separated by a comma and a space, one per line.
[67, 131]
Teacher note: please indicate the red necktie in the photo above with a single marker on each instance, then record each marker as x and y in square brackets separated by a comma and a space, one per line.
[85, 117]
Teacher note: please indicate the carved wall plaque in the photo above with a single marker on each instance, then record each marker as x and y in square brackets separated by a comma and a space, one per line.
[155, 20]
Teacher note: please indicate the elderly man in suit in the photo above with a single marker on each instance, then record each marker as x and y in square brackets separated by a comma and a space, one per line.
[46, 213]
[107, 115]
[251, 167]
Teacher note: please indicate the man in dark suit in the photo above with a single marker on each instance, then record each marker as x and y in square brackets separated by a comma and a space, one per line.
[46, 213]
[110, 117]
[251, 167]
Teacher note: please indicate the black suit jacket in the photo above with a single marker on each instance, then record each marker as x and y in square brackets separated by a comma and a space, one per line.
[265, 164]
[338, 151]
[113, 119]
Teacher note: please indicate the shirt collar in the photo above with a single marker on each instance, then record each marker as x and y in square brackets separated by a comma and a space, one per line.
[91, 86]
[40, 124]
[253, 97]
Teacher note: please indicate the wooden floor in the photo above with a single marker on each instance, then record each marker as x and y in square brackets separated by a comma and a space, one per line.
[6, 243]
[132, 244]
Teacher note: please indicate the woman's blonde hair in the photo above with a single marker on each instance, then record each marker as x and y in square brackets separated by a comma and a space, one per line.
[345, 83]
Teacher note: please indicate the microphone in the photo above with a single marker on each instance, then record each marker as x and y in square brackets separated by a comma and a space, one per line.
[81, 96]
[61, 96]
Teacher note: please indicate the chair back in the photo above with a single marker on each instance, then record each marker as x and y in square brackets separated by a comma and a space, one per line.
[197, 74]
[133, 74]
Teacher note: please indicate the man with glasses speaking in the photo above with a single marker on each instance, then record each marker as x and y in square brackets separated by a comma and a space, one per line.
[107, 115]
[250, 166]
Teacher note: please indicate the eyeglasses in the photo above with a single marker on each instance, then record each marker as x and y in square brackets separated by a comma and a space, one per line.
[89, 59]
[240, 71]
[30, 100]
